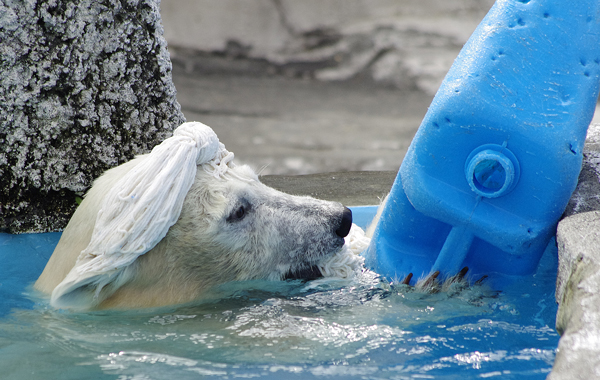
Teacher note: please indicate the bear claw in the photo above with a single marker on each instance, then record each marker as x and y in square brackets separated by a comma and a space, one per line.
[432, 284]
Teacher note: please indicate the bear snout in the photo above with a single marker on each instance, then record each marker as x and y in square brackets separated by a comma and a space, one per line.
[345, 224]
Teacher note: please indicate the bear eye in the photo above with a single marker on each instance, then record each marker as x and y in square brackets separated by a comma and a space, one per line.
[239, 213]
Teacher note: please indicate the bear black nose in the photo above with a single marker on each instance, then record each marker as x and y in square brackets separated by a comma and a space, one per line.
[346, 223]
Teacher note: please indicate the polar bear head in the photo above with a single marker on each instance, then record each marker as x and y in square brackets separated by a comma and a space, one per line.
[224, 226]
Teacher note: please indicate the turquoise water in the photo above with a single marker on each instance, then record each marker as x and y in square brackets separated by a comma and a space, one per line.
[327, 329]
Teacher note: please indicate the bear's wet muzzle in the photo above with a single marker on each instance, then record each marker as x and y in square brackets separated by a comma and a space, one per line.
[346, 223]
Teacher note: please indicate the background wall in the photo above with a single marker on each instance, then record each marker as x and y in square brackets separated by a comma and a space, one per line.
[408, 44]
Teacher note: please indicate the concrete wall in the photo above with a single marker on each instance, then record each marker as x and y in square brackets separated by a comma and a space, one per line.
[407, 44]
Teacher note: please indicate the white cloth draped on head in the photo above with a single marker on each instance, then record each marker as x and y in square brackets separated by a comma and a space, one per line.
[139, 210]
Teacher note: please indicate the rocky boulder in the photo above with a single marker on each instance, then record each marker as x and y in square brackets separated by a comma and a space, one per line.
[85, 86]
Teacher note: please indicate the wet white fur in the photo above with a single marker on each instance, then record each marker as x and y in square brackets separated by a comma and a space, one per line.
[279, 233]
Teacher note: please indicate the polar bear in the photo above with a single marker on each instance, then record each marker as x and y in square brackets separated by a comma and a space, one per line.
[162, 229]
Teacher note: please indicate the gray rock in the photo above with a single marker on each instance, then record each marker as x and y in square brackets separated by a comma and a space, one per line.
[85, 85]
[578, 284]
[578, 280]
[586, 196]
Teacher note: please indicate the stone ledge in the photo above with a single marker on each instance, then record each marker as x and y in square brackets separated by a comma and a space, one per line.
[349, 188]
[578, 279]
[578, 317]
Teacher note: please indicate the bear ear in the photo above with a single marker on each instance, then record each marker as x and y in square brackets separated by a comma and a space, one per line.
[86, 290]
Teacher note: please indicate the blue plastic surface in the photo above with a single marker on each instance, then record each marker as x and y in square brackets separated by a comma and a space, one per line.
[498, 154]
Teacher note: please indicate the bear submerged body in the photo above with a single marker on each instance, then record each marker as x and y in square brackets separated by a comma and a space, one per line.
[231, 228]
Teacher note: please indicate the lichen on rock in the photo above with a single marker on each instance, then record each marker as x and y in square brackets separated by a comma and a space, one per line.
[85, 85]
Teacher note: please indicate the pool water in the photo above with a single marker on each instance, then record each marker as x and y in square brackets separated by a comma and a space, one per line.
[360, 328]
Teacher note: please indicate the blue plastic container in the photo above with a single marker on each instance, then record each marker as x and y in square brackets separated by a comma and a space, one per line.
[496, 158]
